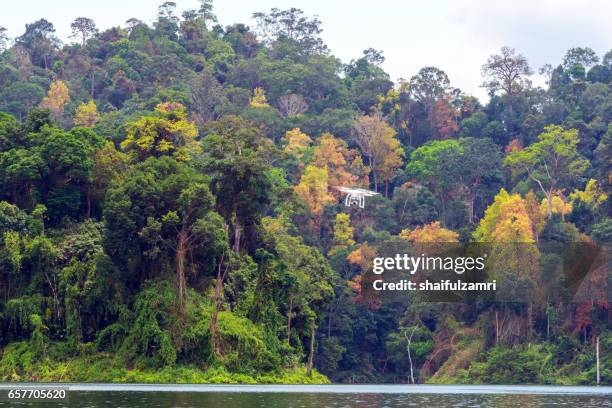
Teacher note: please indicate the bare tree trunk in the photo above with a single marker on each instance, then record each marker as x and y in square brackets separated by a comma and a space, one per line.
[180, 269]
[530, 320]
[409, 340]
[313, 329]
[496, 327]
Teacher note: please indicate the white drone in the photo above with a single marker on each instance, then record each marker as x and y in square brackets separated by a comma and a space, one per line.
[356, 196]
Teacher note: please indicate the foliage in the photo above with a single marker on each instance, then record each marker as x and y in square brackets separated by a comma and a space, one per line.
[169, 210]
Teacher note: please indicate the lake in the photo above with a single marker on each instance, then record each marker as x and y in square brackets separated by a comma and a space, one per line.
[317, 396]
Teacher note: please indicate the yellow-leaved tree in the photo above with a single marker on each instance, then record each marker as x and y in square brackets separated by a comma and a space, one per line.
[313, 189]
[430, 233]
[377, 141]
[259, 99]
[344, 165]
[168, 133]
[86, 114]
[297, 146]
[512, 259]
[57, 98]
[592, 195]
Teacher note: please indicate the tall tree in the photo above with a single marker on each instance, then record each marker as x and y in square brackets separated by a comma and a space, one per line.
[377, 141]
[4, 39]
[40, 41]
[507, 72]
[293, 26]
[235, 154]
[84, 28]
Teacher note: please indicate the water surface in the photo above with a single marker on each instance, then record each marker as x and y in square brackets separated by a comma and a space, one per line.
[316, 396]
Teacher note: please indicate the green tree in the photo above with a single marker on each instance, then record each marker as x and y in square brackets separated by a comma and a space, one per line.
[235, 156]
[84, 28]
[552, 160]
[436, 165]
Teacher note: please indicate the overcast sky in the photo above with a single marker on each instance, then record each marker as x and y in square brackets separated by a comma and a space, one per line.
[455, 35]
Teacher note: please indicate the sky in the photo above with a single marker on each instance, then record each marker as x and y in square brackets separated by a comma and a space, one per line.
[454, 35]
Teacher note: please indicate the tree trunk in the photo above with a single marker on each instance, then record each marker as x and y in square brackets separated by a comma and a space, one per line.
[409, 340]
[237, 231]
[470, 205]
[89, 202]
[180, 268]
[214, 330]
[289, 313]
[597, 357]
[530, 321]
[496, 327]
[550, 204]
[311, 352]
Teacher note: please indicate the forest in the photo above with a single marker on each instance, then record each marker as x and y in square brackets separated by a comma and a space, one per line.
[169, 211]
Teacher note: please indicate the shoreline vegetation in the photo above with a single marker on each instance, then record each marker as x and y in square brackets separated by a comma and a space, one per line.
[170, 211]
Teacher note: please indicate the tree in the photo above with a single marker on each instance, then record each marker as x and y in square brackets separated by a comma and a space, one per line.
[313, 189]
[429, 85]
[69, 158]
[307, 279]
[296, 142]
[161, 206]
[291, 105]
[4, 39]
[377, 141]
[86, 114]
[344, 165]
[40, 42]
[56, 99]
[577, 60]
[234, 154]
[343, 234]
[20, 98]
[206, 12]
[84, 28]
[168, 133]
[552, 160]
[445, 119]
[430, 233]
[436, 165]
[259, 99]
[512, 256]
[291, 26]
[507, 72]
[479, 167]
[167, 21]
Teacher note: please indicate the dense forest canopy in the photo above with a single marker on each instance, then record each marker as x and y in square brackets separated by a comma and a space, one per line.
[168, 206]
